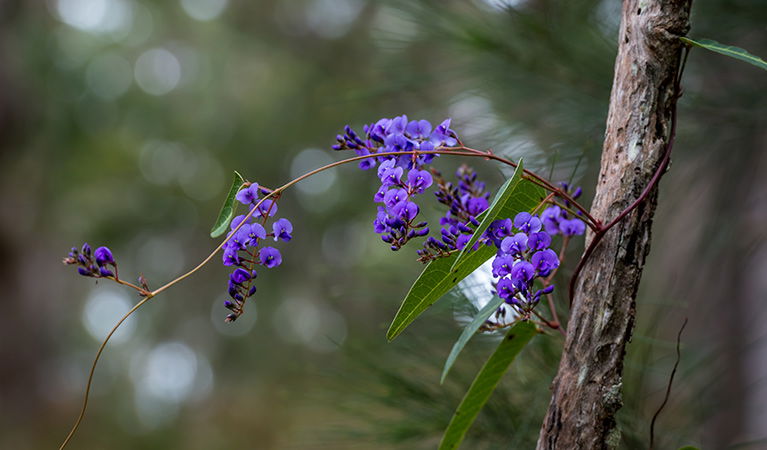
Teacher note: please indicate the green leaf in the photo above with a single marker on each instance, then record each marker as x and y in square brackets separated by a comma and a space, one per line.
[443, 274]
[227, 209]
[469, 331]
[434, 282]
[728, 50]
[689, 447]
[516, 195]
[485, 382]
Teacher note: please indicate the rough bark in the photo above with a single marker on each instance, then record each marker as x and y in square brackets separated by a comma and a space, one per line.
[586, 392]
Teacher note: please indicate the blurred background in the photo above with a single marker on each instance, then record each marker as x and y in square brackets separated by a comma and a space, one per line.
[122, 120]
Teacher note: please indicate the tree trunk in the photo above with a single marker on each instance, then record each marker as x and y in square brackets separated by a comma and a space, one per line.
[586, 393]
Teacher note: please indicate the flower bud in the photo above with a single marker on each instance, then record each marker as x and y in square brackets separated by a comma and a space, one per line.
[103, 256]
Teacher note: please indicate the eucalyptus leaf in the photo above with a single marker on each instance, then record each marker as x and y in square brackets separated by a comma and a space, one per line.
[469, 331]
[227, 209]
[728, 50]
[484, 384]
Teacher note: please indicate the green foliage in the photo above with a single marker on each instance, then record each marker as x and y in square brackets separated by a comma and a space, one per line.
[434, 282]
[227, 209]
[727, 50]
[469, 331]
[515, 340]
[442, 274]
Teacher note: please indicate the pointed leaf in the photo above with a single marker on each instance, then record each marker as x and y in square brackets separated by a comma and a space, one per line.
[227, 209]
[728, 50]
[443, 274]
[434, 282]
[469, 331]
[487, 379]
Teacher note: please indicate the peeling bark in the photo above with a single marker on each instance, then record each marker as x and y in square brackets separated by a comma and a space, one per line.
[586, 392]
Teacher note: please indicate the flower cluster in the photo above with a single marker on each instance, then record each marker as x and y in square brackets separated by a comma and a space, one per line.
[92, 263]
[243, 249]
[523, 253]
[557, 219]
[402, 176]
[523, 256]
[464, 202]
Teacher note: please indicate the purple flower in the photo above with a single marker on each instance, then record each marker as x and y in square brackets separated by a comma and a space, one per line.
[462, 240]
[268, 207]
[380, 223]
[270, 257]
[419, 129]
[103, 256]
[527, 223]
[506, 289]
[499, 229]
[572, 227]
[386, 165]
[522, 273]
[368, 163]
[550, 218]
[240, 239]
[539, 241]
[476, 205]
[248, 195]
[405, 210]
[379, 196]
[443, 135]
[282, 229]
[255, 232]
[231, 256]
[545, 261]
[426, 146]
[397, 125]
[394, 196]
[514, 245]
[502, 266]
[397, 143]
[238, 220]
[239, 276]
[378, 131]
[419, 180]
[392, 177]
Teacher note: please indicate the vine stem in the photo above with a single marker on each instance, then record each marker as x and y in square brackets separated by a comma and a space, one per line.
[594, 223]
[93, 368]
[457, 151]
[462, 151]
[600, 233]
[549, 297]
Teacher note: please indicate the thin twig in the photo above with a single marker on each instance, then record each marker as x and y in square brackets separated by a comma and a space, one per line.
[537, 179]
[93, 369]
[668, 387]
[547, 281]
